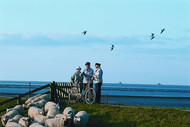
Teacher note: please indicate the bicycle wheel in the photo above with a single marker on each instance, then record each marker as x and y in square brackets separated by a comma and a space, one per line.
[73, 94]
[90, 96]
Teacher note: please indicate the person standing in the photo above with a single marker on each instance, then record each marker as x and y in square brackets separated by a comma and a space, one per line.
[77, 78]
[98, 81]
[88, 75]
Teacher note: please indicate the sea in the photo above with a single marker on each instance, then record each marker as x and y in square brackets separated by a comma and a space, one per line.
[161, 95]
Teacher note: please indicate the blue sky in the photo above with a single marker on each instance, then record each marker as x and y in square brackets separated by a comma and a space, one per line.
[42, 40]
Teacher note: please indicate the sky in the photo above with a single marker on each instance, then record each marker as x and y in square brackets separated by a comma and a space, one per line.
[43, 41]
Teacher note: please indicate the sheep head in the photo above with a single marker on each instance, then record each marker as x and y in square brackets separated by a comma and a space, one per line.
[41, 111]
[8, 110]
[58, 106]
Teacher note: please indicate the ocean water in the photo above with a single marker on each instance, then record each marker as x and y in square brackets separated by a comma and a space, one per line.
[130, 94]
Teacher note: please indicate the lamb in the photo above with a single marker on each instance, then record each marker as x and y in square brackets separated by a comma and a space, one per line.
[15, 119]
[31, 98]
[44, 96]
[19, 108]
[25, 121]
[81, 119]
[69, 112]
[40, 119]
[52, 112]
[36, 125]
[39, 104]
[55, 122]
[8, 116]
[12, 124]
[33, 111]
[49, 105]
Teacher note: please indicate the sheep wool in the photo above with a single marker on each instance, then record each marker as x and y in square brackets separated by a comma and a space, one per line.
[49, 105]
[33, 111]
[25, 121]
[15, 119]
[40, 119]
[69, 111]
[39, 104]
[44, 96]
[8, 116]
[12, 124]
[81, 119]
[52, 112]
[55, 122]
[31, 98]
[36, 125]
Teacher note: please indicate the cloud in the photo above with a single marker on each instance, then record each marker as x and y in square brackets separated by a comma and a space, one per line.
[136, 43]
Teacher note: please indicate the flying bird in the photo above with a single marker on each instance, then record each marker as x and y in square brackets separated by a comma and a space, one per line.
[84, 32]
[162, 31]
[152, 37]
[112, 47]
[152, 34]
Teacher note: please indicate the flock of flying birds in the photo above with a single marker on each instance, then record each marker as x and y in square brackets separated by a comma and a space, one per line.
[112, 47]
[152, 35]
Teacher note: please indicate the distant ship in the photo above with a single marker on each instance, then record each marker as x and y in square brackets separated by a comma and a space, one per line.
[120, 83]
[159, 84]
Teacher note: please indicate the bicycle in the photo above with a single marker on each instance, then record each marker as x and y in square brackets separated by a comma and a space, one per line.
[89, 94]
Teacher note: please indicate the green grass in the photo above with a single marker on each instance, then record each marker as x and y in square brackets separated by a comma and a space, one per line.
[101, 115]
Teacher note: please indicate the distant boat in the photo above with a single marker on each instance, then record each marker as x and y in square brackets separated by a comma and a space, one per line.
[120, 83]
[159, 84]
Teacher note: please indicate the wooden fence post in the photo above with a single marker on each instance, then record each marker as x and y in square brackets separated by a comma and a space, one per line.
[52, 91]
[19, 100]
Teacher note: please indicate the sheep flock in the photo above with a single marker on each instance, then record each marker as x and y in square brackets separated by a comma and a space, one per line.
[43, 113]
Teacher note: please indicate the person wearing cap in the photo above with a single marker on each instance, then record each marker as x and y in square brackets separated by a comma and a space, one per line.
[77, 78]
[88, 75]
[98, 81]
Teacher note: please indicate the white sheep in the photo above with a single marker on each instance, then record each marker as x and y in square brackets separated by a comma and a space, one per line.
[31, 98]
[15, 119]
[44, 96]
[39, 104]
[49, 105]
[52, 112]
[81, 118]
[55, 122]
[61, 116]
[19, 108]
[12, 124]
[67, 118]
[25, 121]
[33, 111]
[69, 112]
[36, 125]
[8, 115]
[40, 119]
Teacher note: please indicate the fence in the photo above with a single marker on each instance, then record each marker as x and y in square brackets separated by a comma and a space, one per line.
[58, 93]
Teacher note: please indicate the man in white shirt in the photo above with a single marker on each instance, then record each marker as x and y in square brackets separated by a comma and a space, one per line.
[98, 81]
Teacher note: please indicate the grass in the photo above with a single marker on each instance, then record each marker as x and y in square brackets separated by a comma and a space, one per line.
[101, 115]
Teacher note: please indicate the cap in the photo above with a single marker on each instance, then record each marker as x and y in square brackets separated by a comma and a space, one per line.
[78, 67]
[98, 64]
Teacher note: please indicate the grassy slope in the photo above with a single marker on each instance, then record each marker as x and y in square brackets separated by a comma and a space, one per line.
[131, 116]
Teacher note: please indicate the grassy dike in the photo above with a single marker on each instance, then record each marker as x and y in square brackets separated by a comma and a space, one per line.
[101, 115]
